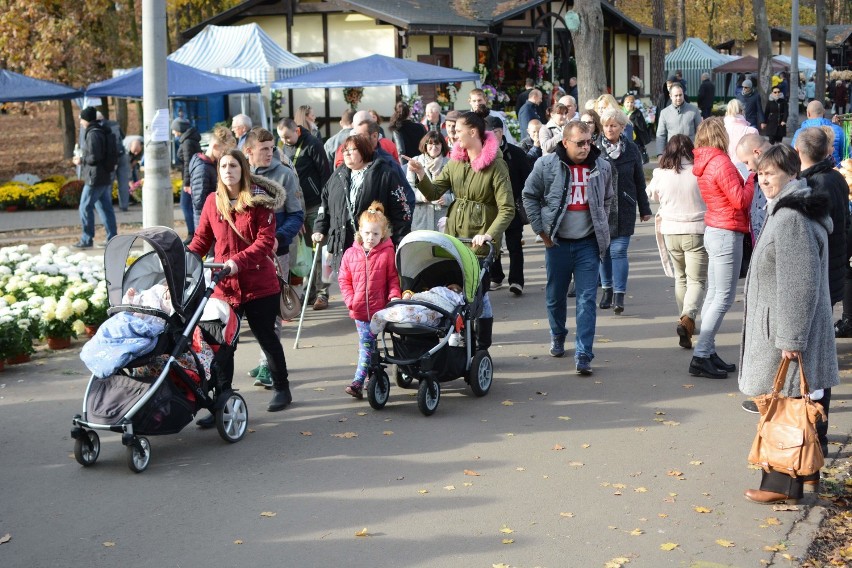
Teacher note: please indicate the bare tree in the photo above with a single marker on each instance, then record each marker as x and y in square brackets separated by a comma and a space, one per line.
[658, 51]
[819, 55]
[680, 30]
[588, 48]
[764, 48]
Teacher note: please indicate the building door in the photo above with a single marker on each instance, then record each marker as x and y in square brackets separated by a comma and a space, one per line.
[441, 58]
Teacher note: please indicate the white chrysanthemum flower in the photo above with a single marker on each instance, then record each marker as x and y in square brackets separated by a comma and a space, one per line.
[24, 324]
[80, 306]
[47, 249]
[10, 299]
[5, 271]
[79, 327]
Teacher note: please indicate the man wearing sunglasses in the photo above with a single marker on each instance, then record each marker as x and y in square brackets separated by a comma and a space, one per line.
[567, 199]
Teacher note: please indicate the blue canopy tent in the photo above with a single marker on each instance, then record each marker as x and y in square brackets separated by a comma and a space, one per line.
[187, 87]
[16, 88]
[375, 71]
[183, 82]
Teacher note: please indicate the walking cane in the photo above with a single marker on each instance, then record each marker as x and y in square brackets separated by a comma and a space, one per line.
[308, 289]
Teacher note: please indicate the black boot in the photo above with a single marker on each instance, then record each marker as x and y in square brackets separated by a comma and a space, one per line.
[606, 299]
[703, 367]
[618, 302]
[843, 327]
[280, 400]
[719, 364]
[207, 422]
[483, 333]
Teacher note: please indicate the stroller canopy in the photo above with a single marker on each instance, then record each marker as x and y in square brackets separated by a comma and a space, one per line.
[167, 259]
[420, 250]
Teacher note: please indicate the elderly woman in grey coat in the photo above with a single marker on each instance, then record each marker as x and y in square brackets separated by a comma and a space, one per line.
[787, 303]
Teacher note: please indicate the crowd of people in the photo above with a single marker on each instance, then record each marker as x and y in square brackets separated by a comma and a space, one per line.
[734, 201]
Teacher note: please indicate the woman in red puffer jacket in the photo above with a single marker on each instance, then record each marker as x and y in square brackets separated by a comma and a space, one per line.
[368, 281]
[728, 200]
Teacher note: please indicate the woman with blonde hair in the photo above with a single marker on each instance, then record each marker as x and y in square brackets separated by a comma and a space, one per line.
[238, 220]
[607, 101]
[736, 126]
[306, 118]
[728, 200]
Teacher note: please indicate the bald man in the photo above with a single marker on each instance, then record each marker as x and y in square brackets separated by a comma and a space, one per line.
[816, 117]
[748, 150]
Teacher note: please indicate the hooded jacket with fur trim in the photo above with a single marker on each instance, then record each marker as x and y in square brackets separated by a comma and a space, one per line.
[256, 276]
[484, 202]
[787, 304]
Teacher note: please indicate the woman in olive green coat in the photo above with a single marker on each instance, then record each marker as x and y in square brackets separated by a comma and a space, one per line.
[484, 205]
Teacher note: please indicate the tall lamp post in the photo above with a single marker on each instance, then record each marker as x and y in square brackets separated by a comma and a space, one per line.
[157, 200]
[793, 103]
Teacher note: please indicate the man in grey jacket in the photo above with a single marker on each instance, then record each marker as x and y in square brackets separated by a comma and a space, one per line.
[680, 117]
[567, 199]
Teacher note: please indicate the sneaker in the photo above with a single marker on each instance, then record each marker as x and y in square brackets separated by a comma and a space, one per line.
[557, 345]
[584, 365]
[355, 390]
[321, 303]
[750, 406]
[538, 239]
[842, 328]
[516, 289]
[572, 290]
[82, 245]
[263, 378]
[102, 244]
[253, 373]
[495, 285]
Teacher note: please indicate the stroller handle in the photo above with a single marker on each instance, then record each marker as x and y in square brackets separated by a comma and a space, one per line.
[470, 242]
[220, 270]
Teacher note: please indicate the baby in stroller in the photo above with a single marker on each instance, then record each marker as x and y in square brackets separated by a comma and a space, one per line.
[445, 297]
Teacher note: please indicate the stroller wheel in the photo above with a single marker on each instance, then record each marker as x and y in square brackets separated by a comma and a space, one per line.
[428, 396]
[481, 373]
[232, 419]
[139, 455]
[87, 448]
[403, 381]
[378, 390]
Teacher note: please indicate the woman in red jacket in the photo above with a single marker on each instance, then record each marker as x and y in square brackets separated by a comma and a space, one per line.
[728, 201]
[368, 280]
[239, 217]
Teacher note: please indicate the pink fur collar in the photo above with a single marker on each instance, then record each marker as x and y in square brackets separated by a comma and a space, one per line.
[485, 158]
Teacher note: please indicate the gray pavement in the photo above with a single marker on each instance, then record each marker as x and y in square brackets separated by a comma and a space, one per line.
[550, 469]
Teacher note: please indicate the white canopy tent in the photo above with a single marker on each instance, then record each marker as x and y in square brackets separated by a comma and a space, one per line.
[807, 66]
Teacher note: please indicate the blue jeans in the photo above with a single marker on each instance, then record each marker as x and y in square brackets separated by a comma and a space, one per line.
[724, 256]
[188, 213]
[96, 197]
[615, 265]
[579, 259]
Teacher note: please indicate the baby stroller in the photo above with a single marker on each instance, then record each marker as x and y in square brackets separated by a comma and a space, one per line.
[447, 350]
[160, 391]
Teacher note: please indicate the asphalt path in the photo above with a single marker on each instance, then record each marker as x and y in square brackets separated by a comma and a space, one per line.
[549, 469]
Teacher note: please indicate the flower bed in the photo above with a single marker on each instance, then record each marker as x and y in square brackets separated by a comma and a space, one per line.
[52, 293]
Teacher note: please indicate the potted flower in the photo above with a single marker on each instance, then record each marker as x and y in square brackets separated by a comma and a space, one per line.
[16, 343]
[352, 96]
[60, 321]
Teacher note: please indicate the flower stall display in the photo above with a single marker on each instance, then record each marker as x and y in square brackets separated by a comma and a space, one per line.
[353, 96]
[53, 294]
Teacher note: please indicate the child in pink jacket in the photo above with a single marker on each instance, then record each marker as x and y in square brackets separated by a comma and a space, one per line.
[368, 281]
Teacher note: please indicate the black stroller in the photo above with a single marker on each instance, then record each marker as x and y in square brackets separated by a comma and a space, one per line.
[159, 392]
[438, 353]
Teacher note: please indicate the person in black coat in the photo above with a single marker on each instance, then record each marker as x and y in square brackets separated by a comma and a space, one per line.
[817, 168]
[520, 167]
[371, 178]
[706, 93]
[190, 145]
[775, 127]
[406, 133]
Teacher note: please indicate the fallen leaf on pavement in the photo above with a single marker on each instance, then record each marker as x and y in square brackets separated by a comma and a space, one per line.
[641, 490]
[5, 538]
[660, 413]
[696, 462]
[688, 386]
[674, 473]
[586, 446]
[362, 532]
[306, 433]
[558, 447]
[238, 541]
[785, 507]
[388, 433]
[636, 532]
[568, 515]
[423, 491]
[506, 530]
[667, 546]
[508, 540]
[319, 389]
[565, 418]
[109, 544]
[725, 543]
[617, 562]
[450, 487]
[671, 423]
[507, 403]
[467, 484]
[576, 464]
[361, 413]
[520, 469]
[345, 435]
[471, 473]
[268, 514]
[619, 486]
[773, 521]
[703, 510]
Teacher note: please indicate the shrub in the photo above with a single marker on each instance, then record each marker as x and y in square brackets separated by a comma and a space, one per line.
[43, 195]
[69, 194]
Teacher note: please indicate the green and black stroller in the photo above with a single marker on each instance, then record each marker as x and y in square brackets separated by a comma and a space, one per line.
[446, 349]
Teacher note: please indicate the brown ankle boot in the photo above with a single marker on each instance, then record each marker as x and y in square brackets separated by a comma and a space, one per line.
[685, 330]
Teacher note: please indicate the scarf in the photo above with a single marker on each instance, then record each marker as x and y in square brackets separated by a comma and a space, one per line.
[613, 151]
[356, 183]
[433, 166]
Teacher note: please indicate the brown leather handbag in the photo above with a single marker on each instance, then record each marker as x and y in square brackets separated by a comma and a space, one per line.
[786, 439]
